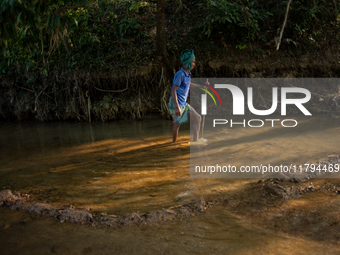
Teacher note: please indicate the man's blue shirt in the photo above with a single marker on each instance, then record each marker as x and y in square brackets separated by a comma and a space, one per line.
[182, 80]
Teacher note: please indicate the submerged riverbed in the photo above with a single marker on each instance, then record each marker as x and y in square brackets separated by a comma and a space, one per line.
[132, 166]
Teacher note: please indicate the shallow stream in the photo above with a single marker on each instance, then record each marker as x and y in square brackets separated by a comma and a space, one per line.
[131, 166]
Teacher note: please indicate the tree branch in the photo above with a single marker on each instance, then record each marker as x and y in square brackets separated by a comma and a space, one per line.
[283, 26]
[114, 91]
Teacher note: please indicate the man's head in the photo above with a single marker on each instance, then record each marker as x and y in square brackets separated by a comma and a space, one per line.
[188, 59]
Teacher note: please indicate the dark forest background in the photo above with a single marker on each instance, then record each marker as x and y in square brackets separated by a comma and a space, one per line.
[114, 59]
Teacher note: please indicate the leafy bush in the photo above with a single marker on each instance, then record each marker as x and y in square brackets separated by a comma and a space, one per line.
[237, 21]
[128, 26]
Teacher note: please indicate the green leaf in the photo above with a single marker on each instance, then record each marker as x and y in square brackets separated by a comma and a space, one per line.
[52, 21]
[48, 20]
[26, 30]
[18, 19]
[57, 20]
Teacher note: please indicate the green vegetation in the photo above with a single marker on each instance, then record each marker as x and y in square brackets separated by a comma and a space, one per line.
[50, 36]
[52, 50]
[234, 18]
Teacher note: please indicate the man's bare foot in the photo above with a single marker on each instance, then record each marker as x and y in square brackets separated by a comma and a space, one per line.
[200, 141]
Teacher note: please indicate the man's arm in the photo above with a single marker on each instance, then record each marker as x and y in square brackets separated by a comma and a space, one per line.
[195, 85]
[174, 97]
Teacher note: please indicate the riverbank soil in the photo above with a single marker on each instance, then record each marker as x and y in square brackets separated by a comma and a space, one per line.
[72, 98]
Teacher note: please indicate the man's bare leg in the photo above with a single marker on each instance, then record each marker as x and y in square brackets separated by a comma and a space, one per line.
[175, 132]
[196, 118]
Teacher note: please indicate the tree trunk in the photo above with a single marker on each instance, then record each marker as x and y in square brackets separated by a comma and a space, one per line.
[160, 36]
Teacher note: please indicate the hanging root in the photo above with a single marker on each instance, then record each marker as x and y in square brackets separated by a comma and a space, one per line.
[166, 94]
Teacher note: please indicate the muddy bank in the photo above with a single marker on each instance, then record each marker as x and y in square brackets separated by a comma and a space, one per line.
[68, 213]
[16, 201]
[303, 209]
[104, 96]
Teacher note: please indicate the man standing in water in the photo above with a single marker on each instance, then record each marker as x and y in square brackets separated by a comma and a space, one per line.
[180, 110]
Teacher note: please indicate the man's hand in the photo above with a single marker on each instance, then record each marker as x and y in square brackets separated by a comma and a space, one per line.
[206, 83]
[178, 111]
[174, 98]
